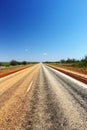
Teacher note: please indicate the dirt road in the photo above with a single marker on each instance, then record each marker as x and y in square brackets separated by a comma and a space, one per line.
[56, 102]
[53, 101]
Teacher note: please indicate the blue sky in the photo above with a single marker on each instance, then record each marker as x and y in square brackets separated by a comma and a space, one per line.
[39, 30]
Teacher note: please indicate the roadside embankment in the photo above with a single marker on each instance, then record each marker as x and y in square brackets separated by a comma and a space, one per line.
[6, 71]
[77, 75]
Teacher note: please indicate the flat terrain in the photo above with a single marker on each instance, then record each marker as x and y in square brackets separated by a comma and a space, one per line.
[42, 98]
[76, 69]
[10, 70]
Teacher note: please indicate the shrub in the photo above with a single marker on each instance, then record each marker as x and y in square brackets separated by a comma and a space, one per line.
[24, 62]
[13, 63]
[0, 63]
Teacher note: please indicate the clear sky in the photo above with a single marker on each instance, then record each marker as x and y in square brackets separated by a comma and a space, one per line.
[37, 30]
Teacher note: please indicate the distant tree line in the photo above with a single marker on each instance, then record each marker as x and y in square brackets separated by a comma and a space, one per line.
[73, 62]
[15, 63]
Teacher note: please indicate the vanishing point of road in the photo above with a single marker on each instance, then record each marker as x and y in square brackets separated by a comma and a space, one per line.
[41, 98]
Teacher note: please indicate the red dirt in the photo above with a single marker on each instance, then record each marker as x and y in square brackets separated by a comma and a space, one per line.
[7, 71]
[78, 77]
[75, 69]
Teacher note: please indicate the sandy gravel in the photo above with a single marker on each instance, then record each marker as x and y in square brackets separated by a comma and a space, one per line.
[13, 93]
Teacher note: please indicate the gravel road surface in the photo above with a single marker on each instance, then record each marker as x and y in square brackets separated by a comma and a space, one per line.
[55, 102]
[42, 98]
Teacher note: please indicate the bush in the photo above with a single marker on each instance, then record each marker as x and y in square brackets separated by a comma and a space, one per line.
[13, 63]
[0, 63]
[24, 62]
